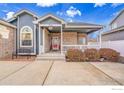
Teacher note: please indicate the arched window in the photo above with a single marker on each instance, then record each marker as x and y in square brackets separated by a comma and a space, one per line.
[26, 36]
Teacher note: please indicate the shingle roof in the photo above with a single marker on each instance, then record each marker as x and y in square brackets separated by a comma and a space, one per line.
[6, 23]
[114, 30]
[80, 24]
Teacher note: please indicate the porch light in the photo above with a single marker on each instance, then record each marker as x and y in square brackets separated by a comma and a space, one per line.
[50, 28]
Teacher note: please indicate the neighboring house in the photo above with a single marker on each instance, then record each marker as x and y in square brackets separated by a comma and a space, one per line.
[36, 35]
[7, 37]
[116, 29]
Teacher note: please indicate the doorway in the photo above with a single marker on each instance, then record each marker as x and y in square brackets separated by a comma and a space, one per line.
[55, 43]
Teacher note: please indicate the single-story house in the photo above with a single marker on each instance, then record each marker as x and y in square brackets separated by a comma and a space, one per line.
[116, 27]
[37, 35]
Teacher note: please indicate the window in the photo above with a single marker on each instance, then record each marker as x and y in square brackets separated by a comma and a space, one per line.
[82, 40]
[114, 25]
[26, 37]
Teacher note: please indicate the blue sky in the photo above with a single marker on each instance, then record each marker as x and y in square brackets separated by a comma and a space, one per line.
[99, 13]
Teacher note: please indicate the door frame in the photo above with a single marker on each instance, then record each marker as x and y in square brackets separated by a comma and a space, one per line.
[59, 42]
[42, 47]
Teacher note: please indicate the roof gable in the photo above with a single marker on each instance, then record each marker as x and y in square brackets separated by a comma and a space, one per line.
[50, 20]
[121, 12]
[52, 17]
[21, 12]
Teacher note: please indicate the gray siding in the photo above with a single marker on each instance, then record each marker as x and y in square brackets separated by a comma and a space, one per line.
[37, 39]
[113, 36]
[26, 20]
[50, 21]
[14, 22]
[119, 21]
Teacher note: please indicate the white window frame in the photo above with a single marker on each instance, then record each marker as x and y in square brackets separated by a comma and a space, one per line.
[84, 40]
[21, 31]
[114, 25]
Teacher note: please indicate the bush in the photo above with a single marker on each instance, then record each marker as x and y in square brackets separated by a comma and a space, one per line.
[103, 54]
[109, 54]
[92, 54]
[75, 55]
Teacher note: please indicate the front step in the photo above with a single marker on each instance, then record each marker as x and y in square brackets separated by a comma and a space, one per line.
[51, 57]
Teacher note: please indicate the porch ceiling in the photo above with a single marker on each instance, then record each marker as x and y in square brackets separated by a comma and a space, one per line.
[83, 30]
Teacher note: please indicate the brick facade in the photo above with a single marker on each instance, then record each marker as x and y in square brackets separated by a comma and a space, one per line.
[81, 35]
[7, 45]
[70, 38]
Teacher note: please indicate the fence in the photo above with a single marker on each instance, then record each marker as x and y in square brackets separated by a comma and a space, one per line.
[116, 45]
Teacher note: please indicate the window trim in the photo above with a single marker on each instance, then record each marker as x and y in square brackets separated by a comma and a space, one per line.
[114, 25]
[84, 40]
[21, 31]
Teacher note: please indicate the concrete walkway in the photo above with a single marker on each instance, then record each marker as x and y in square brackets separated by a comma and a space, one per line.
[61, 73]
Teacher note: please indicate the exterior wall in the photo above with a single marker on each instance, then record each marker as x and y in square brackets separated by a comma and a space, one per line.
[69, 38]
[14, 22]
[25, 20]
[7, 45]
[72, 38]
[113, 36]
[119, 21]
[47, 41]
[37, 39]
[80, 35]
[50, 21]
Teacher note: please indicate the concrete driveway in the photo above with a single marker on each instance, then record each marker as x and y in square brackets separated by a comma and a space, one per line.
[61, 73]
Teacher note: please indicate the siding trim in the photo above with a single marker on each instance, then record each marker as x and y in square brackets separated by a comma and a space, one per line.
[34, 39]
[18, 34]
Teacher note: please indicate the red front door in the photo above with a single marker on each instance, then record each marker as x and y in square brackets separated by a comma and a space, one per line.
[55, 43]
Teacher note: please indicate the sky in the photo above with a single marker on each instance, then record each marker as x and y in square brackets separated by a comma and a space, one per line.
[97, 13]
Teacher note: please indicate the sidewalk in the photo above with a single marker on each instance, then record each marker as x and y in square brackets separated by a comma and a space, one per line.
[61, 73]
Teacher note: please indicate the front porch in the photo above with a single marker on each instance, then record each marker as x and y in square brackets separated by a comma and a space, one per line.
[58, 35]
[57, 41]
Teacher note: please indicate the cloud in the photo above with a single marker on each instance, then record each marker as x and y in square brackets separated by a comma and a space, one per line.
[115, 14]
[72, 12]
[5, 11]
[99, 4]
[9, 15]
[116, 4]
[69, 20]
[59, 13]
[46, 4]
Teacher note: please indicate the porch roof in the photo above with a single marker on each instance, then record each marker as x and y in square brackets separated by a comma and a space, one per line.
[53, 20]
[83, 27]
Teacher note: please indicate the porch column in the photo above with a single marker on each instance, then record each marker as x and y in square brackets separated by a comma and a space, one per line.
[39, 39]
[43, 46]
[100, 38]
[61, 40]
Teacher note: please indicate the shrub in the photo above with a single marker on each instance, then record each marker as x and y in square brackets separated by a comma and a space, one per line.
[75, 55]
[109, 54]
[92, 54]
